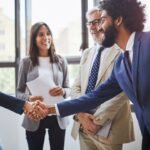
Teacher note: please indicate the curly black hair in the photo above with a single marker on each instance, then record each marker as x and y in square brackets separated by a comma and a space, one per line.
[131, 11]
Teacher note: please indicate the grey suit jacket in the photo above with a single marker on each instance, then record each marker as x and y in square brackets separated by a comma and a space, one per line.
[116, 111]
[28, 72]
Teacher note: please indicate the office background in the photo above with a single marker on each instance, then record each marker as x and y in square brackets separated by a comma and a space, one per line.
[67, 20]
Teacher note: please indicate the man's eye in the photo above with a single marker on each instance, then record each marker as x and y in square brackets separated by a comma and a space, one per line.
[96, 22]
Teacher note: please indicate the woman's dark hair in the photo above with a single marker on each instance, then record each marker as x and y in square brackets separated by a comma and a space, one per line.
[131, 11]
[33, 49]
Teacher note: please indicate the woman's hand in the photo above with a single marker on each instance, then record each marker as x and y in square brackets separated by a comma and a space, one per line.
[57, 91]
[34, 98]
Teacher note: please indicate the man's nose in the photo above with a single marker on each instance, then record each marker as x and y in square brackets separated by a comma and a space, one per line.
[98, 27]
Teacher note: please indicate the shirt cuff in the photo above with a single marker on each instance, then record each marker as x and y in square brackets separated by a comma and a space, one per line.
[57, 110]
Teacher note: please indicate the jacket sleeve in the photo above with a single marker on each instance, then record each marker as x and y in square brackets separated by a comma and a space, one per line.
[22, 79]
[102, 93]
[12, 103]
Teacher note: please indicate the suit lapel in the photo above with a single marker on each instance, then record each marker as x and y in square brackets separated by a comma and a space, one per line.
[107, 58]
[135, 63]
[127, 77]
[85, 68]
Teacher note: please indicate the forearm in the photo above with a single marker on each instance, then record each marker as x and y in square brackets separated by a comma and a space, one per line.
[52, 110]
[104, 92]
[12, 103]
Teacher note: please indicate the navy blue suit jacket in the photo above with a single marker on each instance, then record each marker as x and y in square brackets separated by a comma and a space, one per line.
[12, 103]
[136, 86]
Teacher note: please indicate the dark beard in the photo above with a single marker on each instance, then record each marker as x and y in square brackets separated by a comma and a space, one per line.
[110, 36]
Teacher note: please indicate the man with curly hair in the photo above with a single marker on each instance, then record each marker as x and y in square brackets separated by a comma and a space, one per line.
[122, 22]
[114, 116]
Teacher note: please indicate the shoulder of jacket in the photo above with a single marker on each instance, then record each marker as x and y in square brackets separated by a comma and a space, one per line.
[62, 63]
[87, 51]
[115, 47]
[26, 60]
[62, 59]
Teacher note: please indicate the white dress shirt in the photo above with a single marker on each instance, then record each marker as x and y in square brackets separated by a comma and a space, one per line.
[129, 46]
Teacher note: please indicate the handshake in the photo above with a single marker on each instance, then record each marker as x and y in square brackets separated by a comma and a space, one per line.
[37, 110]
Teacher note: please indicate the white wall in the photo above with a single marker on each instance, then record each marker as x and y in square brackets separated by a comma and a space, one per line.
[12, 135]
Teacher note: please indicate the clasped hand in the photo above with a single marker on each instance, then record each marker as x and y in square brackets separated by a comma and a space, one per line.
[87, 123]
[36, 109]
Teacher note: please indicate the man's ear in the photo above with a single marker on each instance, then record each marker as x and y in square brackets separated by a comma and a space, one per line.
[118, 21]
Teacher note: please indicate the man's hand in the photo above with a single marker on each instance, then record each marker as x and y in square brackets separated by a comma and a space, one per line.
[35, 110]
[57, 91]
[87, 124]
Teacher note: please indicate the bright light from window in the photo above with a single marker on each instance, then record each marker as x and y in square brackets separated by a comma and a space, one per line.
[64, 19]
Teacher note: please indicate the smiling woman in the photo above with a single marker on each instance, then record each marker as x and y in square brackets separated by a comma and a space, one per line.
[44, 62]
[65, 23]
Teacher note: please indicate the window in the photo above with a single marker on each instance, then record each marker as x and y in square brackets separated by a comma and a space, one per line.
[2, 47]
[90, 6]
[147, 24]
[23, 29]
[7, 80]
[7, 46]
[7, 32]
[2, 32]
[65, 23]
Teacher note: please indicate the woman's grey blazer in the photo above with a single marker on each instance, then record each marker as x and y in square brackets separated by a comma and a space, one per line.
[28, 72]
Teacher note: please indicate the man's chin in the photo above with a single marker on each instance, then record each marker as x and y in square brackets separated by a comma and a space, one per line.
[94, 37]
[99, 41]
[108, 44]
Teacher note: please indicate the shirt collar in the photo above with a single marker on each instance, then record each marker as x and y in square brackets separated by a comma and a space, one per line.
[130, 42]
[98, 46]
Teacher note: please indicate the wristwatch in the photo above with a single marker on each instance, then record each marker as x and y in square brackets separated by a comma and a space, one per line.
[75, 117]
[51, 109]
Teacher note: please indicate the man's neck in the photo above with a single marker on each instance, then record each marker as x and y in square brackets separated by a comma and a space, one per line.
[123, 38]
